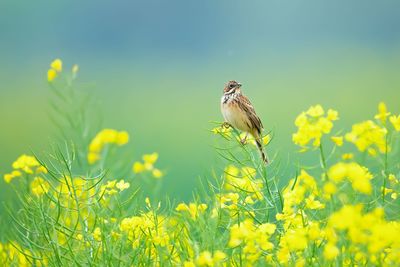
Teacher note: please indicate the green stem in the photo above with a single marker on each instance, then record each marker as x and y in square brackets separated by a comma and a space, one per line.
[323, 159]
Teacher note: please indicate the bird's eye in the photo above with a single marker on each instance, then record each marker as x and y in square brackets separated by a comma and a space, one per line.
[231, 86]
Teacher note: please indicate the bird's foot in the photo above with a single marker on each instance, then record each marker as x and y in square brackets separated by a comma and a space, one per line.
[226, 125]
[243, 140]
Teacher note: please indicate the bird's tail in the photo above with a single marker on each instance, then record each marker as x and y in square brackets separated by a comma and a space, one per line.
[264, 155]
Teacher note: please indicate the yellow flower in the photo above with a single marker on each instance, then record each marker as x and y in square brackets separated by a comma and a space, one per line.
[347, 156]
[104, 137]
[55, 68]
[138, 167]
[188, 264]
[382, 113]
[358, 176]
[393, 179]
[26, 163]
[122, 138]
[39, 186]
[367, 135]
[150, 158]
[97, 234]
[10, 176]
[395, 120]
[338, 140]
[193, 209]
[223, 131]
[157, 173]
[121, 185]
[205, 259]
[312, 125]
[333, 115]
[148, 165]
[330, 251]
[56, 65]
[313, 204]
[41, 169]
[93, 157]
[329, 188]
[51, 75]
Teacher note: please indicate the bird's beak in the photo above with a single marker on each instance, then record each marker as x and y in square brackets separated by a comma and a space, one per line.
[239, 84]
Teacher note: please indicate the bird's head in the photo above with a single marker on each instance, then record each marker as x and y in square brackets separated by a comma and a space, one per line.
[231, 87]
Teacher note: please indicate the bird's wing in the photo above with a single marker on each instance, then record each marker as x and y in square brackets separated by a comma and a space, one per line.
[245, 105]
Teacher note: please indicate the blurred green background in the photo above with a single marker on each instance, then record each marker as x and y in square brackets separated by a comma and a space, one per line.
[159, 68]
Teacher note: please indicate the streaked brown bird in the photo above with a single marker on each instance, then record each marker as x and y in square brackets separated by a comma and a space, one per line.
[239, 113]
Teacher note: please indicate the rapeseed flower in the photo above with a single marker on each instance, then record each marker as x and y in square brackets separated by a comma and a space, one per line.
[312, 125]
[39, 186]
[383, 114]
[368, 136]
[103, 138]
[358, 175]
[24, 164]
[395, 120]
[193, 209]
[55, 69]
[205, 258]
[148, 165]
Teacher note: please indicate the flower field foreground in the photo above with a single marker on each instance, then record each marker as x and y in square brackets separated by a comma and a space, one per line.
[88, 203]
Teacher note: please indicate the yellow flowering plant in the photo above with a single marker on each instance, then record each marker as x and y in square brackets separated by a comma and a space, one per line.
[81, 205]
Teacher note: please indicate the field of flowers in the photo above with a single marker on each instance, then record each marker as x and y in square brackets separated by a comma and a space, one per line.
[87, 202]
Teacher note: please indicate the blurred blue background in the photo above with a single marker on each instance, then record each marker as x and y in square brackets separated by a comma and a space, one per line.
[159, 68]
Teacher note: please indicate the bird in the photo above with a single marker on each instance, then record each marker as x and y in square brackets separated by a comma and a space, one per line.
[238, 112]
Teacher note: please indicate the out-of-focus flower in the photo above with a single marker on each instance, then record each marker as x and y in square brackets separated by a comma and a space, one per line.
[383, 114]
[312, 125]
[367, 135]
[395, 120]
[24, 164]
[55, 68]
[122, 185]
[97, 234]
[56, 65]
[148, 165]
[347, 156]
[193, 209]
[39, 186]
[205, 258]
[253, 238]
[104, 137]
[331, 251]
[10, 176]
[358, 176]
[338, 140]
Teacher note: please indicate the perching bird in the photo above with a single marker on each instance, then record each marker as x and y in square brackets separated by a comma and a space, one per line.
[239, 113]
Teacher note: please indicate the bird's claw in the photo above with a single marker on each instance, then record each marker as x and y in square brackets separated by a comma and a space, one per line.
[226, 125]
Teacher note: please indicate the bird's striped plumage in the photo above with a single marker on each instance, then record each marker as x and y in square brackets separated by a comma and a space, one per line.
[238, 111]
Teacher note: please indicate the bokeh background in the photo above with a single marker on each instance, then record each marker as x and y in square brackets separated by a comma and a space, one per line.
[159, 67]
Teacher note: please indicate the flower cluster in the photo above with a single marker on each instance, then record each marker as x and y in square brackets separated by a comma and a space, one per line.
[312, 125]
[343, 212]
[55, 69]
[24, 165]
[103, 138]
[148, 165]
[193, 209]
[368, 136]
[253, 239]
[358, 176]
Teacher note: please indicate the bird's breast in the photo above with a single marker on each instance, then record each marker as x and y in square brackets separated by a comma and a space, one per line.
[234, 115]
